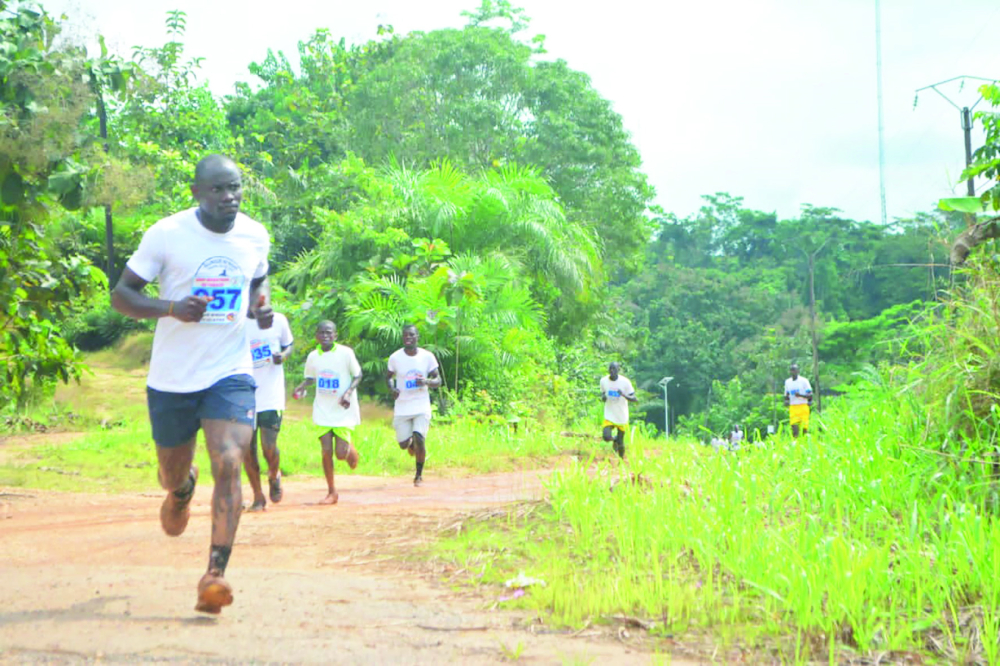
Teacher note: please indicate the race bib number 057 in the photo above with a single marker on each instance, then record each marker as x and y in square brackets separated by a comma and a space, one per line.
[221, 279]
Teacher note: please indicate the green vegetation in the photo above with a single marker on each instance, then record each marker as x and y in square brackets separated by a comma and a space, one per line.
[505, 212]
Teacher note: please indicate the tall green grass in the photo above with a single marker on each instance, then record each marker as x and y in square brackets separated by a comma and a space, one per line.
[852, 541]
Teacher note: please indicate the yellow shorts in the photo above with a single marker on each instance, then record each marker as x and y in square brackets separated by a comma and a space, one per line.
[799, 415]
[623, 428]
[341, 432]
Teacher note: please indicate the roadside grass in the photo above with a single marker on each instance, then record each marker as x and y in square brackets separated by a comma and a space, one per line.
[114, 450]
[844, 545]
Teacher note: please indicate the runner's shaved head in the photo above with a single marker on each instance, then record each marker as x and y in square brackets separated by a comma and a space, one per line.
[210, 164]
[326, 322]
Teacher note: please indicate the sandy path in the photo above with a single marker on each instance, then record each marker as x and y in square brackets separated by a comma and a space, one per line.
[92, 578]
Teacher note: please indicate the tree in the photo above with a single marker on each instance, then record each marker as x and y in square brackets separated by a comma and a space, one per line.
[50, 157]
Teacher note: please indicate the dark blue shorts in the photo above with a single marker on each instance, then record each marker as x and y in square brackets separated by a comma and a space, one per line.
[176, 417]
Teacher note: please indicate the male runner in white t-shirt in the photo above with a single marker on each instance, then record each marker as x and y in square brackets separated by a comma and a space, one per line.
[798, 397]
[415, 370]
[336, 372]
[616, 392]
[269, 347]
[211, 263]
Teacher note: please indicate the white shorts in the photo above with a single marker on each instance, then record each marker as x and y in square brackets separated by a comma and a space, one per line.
[407, 425]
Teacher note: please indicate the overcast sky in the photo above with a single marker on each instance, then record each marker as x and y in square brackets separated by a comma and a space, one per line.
[771, 100]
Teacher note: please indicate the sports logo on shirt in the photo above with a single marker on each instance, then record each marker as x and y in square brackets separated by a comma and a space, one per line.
[222, 279]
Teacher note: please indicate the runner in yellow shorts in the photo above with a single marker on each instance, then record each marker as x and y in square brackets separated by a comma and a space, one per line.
[616, 392]
[798, 397]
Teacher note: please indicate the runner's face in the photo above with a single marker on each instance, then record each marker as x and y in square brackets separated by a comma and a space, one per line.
[326, 335]
[410, 337]
[613, 371]
[795, 371]
[220, 192]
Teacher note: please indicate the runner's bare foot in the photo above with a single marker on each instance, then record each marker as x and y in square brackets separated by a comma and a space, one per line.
[257, 506]
[330, 499]
[417, 482]
[176, 510]
[274, 488]
[213, 593]
[353, 457]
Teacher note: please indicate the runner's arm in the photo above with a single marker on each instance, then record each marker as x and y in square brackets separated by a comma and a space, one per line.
[279, 358]
[433, 379]
[393, 391]
[128, 299]
[301, 388]
[345, 398]
[260, 301]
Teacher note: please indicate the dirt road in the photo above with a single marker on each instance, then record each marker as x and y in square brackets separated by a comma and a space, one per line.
[92, 578]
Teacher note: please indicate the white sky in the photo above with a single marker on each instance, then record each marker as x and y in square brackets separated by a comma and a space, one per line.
[772, 100]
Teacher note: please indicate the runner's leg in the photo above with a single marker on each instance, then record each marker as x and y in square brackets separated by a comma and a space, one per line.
[420, 454]
[619, 444]
[326, 440]
[252, 466]
[177, 476]
[607, 433]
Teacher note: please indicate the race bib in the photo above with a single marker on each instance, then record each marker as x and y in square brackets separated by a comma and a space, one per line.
[261, 353]
[222, 279]
[410, 380]
[327, 382]
[614, 394]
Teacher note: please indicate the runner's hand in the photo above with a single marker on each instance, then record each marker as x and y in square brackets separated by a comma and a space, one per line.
[345, 400]
[298, 393]
[277, 359]
[263, 313]
[395, 394]
[190, 309]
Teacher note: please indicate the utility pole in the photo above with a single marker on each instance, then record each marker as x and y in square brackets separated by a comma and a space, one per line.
[966, 116]
[881, 124]
[666, 406]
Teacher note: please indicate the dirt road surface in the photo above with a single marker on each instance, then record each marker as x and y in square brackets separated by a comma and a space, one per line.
[91, 578]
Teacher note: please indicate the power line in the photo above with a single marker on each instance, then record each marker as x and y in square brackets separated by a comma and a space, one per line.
[966, 115]
[881, 124]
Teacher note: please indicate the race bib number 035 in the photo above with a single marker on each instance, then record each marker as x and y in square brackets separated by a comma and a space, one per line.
[261, 353]
[221, 279]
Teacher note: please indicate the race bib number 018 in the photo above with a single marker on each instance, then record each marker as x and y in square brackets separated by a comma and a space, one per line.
[222, 280]
[327, 383]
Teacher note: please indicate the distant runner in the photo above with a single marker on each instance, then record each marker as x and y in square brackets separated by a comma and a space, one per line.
[616, 392]
[798, 397]
[211, 262]
[268, 347]
[335, 371]
[415, 371]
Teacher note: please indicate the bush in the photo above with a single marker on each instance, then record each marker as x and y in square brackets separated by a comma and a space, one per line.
[101, 327]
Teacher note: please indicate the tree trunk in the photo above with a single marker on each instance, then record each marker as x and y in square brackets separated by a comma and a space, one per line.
[812, 321]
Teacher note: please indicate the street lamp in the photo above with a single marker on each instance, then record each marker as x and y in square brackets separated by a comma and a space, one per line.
[666, 405]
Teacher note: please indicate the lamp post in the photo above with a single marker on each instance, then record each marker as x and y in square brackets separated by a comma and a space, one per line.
[666, 406]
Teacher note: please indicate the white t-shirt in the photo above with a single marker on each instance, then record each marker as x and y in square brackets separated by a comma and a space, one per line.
[270, 378]
[797, 389]
[616, 406]
[189, 259]
[333, 371]
[413, 400]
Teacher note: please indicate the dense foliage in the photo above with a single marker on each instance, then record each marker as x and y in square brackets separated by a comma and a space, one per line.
[457, 178]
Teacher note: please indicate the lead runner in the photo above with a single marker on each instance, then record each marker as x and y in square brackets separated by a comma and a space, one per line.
[210, 261]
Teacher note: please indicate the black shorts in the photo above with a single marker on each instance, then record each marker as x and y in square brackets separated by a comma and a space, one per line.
[270, 419]
[176, 417]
